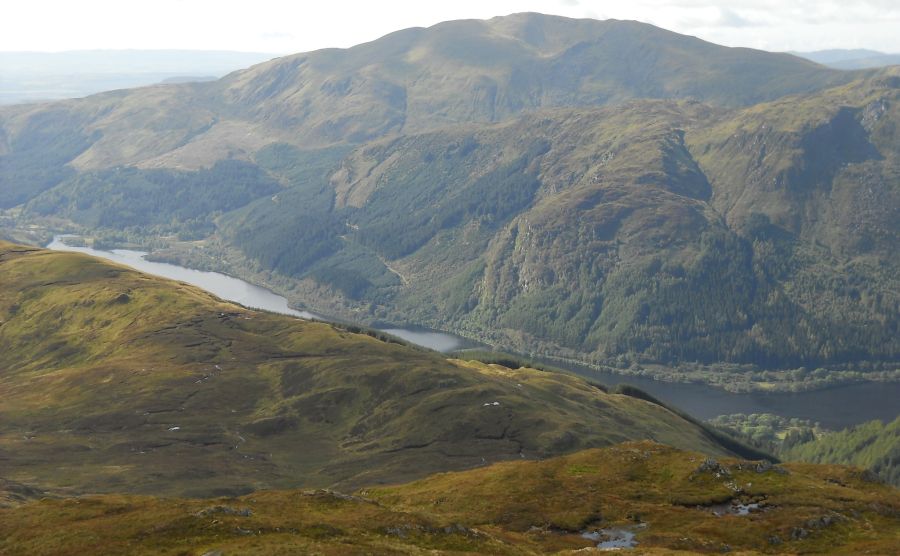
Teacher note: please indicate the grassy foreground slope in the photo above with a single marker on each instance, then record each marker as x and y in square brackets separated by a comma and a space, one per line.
[667, 497]
[115, 381]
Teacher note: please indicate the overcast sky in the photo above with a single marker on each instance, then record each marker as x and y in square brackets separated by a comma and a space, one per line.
[284, 26]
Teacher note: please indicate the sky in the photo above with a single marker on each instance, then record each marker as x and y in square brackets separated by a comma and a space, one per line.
[284, 26]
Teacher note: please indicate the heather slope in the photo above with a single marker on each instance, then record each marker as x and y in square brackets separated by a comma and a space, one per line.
[668, 498]
[114, 381]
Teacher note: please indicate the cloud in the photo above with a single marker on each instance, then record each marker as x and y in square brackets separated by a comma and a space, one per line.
[795, 11]
[704, 17]
[275, 25]
[277, 35]
[730, 18]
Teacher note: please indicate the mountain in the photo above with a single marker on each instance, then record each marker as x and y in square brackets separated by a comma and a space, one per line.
[603, 191]
[115, 381]
[187, 79]
[851, 59]
[653, 498]
[643, 234]
[42, 76]
[411, 81]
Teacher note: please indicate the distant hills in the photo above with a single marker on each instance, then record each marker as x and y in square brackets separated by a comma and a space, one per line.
[851, 59]
[604, 191]
[417, 80]
[41, 76]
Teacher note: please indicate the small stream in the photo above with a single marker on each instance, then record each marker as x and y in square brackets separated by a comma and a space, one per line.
[612, 539]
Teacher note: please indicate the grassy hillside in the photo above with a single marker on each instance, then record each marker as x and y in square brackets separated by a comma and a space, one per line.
[655, 233]
[114, 381]
[13, 493]
[667, 498]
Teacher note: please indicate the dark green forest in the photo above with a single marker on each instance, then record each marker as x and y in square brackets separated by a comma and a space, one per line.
[39, 155]
[185, 202]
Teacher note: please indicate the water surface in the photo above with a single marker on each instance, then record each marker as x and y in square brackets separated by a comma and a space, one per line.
[834, 408]
[245, 293]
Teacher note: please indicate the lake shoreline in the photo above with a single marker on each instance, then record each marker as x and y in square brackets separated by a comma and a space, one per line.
[734, 378]
[701, 400]
[253, 296]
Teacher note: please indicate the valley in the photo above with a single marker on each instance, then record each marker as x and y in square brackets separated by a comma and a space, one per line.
[117, 381]
[835, 407]
[688, 226]
[244, 293]
[520, 285]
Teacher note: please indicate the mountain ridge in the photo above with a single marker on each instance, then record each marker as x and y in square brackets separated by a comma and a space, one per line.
[115, 381]
[332, 96]
[858, 58]
[668, 169]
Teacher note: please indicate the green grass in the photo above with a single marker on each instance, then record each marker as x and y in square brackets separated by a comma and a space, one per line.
[101, 364]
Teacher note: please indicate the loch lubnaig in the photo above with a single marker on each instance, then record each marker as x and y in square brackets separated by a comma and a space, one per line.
[465, 278]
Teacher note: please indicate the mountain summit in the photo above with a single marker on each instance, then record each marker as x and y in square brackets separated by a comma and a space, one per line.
[416, 80]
